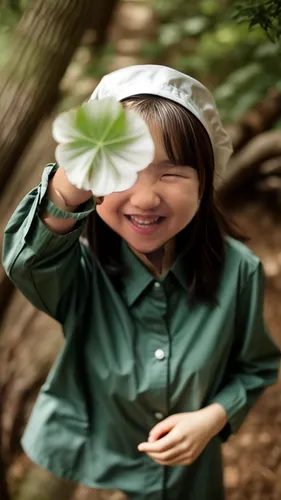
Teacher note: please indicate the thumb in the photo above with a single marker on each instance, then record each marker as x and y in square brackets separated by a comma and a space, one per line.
[99, 199]
[162, 428]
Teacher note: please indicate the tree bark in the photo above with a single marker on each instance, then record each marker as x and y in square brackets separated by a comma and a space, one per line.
[101, 22]
[42, 47]
[257, 120]
[244, 167]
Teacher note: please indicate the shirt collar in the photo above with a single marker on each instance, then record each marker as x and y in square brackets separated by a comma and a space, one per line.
[139, 277]
[179, 269]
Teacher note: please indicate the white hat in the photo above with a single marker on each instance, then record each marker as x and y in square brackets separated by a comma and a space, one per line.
[183, 89]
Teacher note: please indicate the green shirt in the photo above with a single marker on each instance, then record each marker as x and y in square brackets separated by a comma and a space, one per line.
[132, 358]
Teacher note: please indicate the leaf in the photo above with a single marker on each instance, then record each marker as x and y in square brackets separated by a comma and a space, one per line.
[102, 146]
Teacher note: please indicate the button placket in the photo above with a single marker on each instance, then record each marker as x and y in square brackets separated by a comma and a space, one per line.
[158, 350]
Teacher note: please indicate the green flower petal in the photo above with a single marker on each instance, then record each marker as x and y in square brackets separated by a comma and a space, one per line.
[64, 127]
[69, 157]
[103, 146]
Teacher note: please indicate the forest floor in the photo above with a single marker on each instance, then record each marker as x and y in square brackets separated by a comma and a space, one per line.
[253, 456]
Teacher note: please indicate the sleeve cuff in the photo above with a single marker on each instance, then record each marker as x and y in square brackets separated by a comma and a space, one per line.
[37, 234]
[46, 204]
[52, 209]
[41, 239]
[234, 401]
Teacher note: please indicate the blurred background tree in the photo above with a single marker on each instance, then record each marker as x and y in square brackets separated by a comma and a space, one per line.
[234, 47]
[52, 55]
[33, 63]
[205, 40]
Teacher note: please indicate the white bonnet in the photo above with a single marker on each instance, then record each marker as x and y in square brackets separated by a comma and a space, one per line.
[183, 89]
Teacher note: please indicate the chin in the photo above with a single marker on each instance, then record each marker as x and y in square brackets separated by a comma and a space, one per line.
[146, 247]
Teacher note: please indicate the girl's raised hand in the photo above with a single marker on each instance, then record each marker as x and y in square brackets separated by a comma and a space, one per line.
[181, 438]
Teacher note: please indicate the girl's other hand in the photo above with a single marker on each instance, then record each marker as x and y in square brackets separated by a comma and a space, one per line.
[181, 438]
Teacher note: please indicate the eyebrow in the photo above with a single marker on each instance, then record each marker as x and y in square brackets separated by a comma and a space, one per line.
[165, 162]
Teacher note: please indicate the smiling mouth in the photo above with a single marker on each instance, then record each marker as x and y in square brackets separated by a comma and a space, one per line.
[143, 222]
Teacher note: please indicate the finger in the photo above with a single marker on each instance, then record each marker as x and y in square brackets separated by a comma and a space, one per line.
[162, 427]
[168, 455]
[176, 453]
[179, 459]
[182, 460]
[185, 457]
[163, 444]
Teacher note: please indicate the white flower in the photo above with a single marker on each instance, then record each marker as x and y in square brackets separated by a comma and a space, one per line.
[102, 146]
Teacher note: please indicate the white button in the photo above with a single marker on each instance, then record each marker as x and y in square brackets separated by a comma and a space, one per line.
[159, 415]
[159, 354]
[157, 285]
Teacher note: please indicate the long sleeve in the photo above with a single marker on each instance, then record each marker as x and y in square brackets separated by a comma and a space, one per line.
[255, 360]
[46, 267]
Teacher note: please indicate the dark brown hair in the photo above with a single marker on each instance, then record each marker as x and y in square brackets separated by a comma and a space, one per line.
[203, 240]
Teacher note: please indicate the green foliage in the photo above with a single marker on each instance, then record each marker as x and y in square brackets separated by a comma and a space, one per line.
[224, 45]
[248, 84]
[10, 13]
[264, 13]
[101, 61]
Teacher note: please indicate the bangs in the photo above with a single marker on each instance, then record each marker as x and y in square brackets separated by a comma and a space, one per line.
[185, 139]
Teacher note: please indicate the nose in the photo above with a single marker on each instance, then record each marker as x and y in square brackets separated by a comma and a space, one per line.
[145, 197]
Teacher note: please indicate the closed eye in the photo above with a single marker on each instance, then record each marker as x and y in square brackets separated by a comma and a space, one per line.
[172, 175]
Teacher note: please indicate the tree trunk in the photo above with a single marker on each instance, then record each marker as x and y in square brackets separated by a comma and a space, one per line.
[101, 22]
[6, 290]
[257, 120]
[254, 143]
[244, 168]
[42, 47]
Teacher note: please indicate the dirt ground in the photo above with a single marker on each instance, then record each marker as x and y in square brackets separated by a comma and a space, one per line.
[253, 456]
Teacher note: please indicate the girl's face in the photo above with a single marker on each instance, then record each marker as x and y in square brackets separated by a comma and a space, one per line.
[161, 203]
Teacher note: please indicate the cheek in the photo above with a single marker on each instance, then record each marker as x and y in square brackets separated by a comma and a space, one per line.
[185, 198]
[108, 209]
[184, 206]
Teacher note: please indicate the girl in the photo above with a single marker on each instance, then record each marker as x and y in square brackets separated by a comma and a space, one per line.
[165, 345]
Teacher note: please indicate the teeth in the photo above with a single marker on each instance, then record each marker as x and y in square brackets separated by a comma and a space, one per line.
[145, 221]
